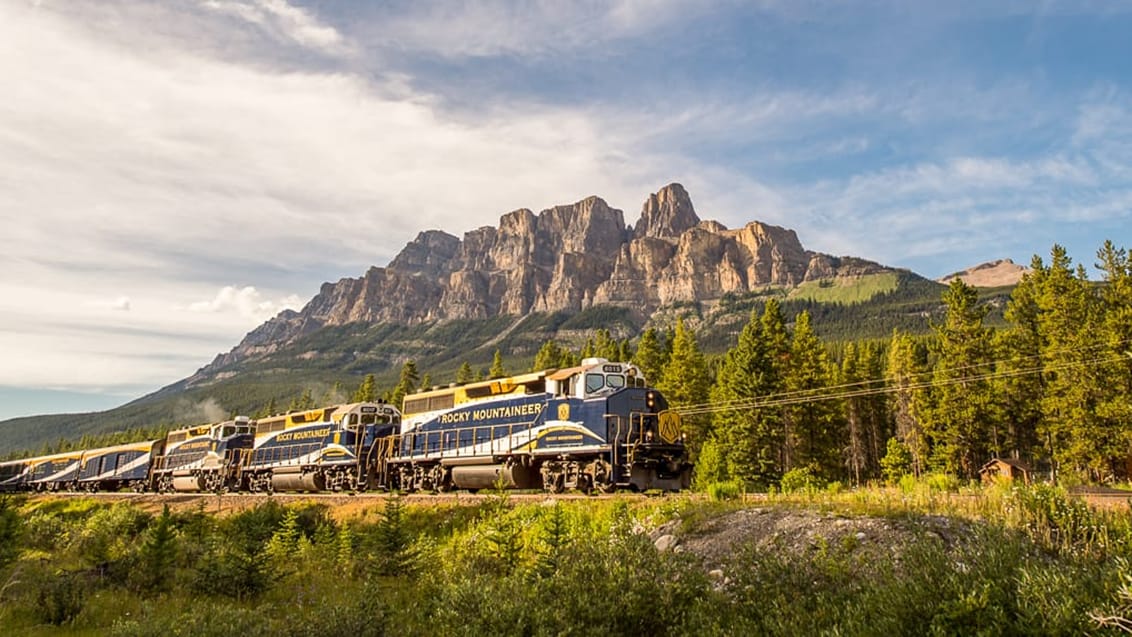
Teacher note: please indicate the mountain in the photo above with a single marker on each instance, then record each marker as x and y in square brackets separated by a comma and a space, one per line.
[992, 274]
[568, 259]
[560, 273]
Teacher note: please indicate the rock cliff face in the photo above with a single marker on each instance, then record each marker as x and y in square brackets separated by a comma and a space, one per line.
[566, 258]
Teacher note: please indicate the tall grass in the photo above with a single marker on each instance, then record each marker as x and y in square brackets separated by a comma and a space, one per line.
[1032, 561]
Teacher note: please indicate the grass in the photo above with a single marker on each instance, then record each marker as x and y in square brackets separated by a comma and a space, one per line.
[847, 290]
[1033, 561]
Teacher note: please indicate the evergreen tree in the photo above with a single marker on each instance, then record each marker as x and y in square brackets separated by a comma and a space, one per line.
[588, 350]
[497, 370]
[815, 424]
[569, 359]
[303, 402]
[465, 373]
[905, 375]
[410, 380]
[857, 443]
[624, 351]
[426, 382]
[650, 356]
[1020, 346]
[751, 437]
[685, 381]
[393, 540]
[549, 356]
[1076, 436]
[1115, 407]
[604, 346]
[367, 391]
[11, 529]
[777, 339]
[963, 419]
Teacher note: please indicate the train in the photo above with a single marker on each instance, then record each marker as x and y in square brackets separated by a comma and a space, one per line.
[598, 426]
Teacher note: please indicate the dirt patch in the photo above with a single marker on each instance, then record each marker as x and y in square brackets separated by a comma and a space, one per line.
[716, 540]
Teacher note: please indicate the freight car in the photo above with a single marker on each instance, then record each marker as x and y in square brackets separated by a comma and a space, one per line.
[595, 426]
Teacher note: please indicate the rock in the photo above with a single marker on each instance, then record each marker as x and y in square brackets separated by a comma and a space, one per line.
[665, 543]
[563, 259]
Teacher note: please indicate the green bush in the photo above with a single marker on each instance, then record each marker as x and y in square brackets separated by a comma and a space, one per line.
[801, 480]
[729, 490]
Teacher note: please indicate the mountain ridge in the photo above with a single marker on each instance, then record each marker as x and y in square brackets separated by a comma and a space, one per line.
[565, 258]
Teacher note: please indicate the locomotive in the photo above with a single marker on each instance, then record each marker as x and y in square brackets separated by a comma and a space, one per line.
[597, 426]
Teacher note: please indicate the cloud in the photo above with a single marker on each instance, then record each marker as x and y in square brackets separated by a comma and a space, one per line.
[540, 28]
[285, 21]
[122, 303]
[247, 302]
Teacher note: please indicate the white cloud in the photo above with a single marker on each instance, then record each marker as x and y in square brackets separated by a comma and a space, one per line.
[246, 302]
[285, 21]
[122, 303]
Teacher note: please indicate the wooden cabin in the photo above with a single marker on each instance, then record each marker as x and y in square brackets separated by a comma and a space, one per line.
[1005, 469]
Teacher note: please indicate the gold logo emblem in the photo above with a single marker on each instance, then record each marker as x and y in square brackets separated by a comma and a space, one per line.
[669, 428]
[564, 411]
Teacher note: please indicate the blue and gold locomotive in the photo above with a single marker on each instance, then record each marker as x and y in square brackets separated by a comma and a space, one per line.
[595, 426]
[335, 448]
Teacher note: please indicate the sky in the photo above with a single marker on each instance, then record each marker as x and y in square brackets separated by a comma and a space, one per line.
[174, 173]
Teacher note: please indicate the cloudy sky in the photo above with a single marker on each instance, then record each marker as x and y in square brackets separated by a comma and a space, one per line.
[174, 173]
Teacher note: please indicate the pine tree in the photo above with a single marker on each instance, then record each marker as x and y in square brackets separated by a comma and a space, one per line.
[367, 391]
[409, 381]
[856, 448]
[303, 402]
[497, 370]
[1068, 321]
[465, 373]
[963, 421]
[549, 356]
[1020, 349]
[685, 380]
[604, 346]
[393, 541]
[650, 357]
[426, 382]
[816, 425]
[905, 373]
[1115, 406]
[751, 436]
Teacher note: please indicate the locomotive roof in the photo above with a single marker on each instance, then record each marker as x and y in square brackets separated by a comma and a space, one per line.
[144, 445]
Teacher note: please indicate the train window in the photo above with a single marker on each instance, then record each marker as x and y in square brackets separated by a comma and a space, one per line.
[616, 381]
[594, 382]
[227, 431]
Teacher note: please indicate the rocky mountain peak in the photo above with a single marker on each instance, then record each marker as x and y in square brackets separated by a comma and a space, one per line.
[990, 274]
[566, 258]
[430, 253]
[666, 214]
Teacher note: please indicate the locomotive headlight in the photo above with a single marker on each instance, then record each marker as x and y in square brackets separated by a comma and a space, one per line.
[650, 399]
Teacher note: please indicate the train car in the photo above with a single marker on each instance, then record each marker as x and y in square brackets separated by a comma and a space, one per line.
[13, 474]
[115, 468]
[201, 458]
[336, 448]
[58, 472]
[595, 426]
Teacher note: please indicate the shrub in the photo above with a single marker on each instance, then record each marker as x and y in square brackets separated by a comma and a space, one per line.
[729, 490]
[61, 598]
[801, 480]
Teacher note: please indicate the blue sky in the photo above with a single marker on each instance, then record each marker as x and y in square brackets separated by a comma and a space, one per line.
[174, 173]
